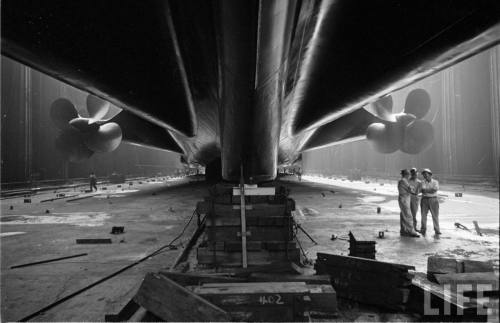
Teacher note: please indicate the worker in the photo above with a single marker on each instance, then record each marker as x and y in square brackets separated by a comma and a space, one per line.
[93, 182]
[404, 204]
[299, 174]
[415, 185]
[429, 201]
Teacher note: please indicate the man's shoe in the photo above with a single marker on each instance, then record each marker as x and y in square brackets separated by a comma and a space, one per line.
[438, 233]
[414, 235]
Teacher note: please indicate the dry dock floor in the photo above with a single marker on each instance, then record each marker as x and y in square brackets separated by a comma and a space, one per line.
[153, 213]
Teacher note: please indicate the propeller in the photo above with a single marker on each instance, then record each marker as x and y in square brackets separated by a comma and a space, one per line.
[405, 131]
[80, 136]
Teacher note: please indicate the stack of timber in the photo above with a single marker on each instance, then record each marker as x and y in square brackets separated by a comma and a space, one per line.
[440, 265]
[445, 303]
[269, 228]
[456, 290]
[367, 281]
[172, 296]
[360, 246]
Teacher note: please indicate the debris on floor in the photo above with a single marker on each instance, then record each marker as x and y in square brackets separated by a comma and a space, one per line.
[93, 241]
[48, 260]
[117, 230]
[361, 246]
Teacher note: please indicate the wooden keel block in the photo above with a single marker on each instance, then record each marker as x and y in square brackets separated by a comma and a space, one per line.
[230, 259]
[258, 301]
[172, 302]
[255, 191]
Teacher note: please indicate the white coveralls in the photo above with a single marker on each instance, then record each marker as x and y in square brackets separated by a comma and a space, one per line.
[415, 185]
[428, 203]
[404, 204]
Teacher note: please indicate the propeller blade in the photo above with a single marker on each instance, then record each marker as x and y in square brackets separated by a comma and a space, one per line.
[385, 138]
[61, 112]
[404, 119]
[418, 136]
[382, 108]
[70, 143]
[84, 124]
[106, 139]
[96, 107]
[418, 103]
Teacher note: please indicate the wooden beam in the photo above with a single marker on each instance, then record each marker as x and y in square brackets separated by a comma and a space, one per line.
[255, 191]
[172, 302]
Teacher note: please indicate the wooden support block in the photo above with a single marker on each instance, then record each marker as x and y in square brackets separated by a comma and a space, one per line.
[263, 257]
[473, 279]
[125, 313]
[359, 279]
[251, 220]
[279, 245]
[262, 209]
[280, 267]
[258, 233]
[472, 266]
[235, 246]
[252, 245]
[172, 302]
[198, 279]
[308, 279]
[435, 303]
[323, 298]
[360, 264]
[255, 191]
[441, 265]
[365, 277]
[258, 301]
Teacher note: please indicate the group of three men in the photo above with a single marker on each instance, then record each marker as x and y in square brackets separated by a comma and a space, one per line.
[411, 190]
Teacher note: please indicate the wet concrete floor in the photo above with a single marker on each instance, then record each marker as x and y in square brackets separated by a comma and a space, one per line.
[153, 213]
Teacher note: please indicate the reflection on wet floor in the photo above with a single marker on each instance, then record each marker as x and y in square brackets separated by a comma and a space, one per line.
[322, 217]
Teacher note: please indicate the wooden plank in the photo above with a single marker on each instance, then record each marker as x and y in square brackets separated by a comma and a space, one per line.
[262, 209]
[93, 241]
[268, 287]
[444, 303]
[258, 233]
[363, 277]
[235, 246]
[172, 302]
[362, 264]
[281, 267]
[454, 279]
[279, 245]
[472, 266]
[251, 220]
[442, 265]
[309, 279]
[264, 257]
[323, 298]
[252, 245]
[198, 279]
[255, 191]
[252, 294]
[256, 314]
